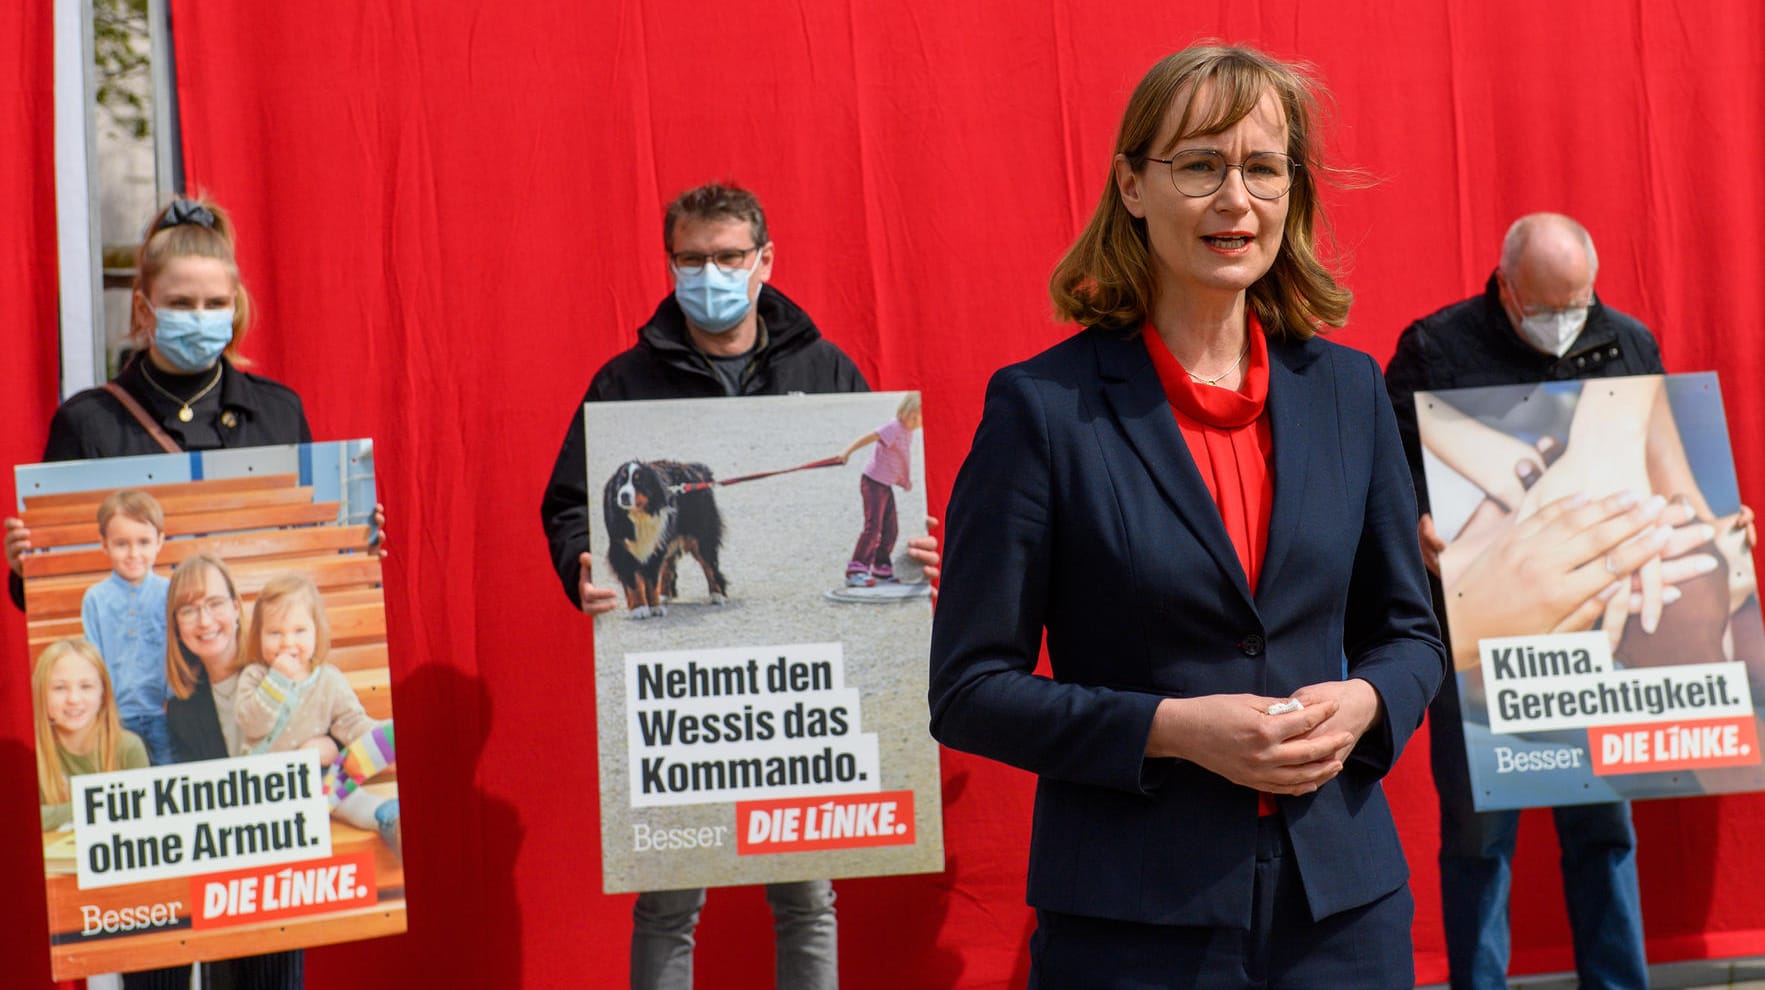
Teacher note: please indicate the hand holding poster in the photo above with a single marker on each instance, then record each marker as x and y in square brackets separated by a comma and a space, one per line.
[1601, 602]
[217, 769]
[771, 727]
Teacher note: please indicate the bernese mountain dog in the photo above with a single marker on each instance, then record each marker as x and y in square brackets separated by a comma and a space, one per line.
[656, 511]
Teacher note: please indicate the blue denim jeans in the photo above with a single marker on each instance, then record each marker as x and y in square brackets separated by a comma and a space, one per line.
[1598, 846]
[156, 734]
[807, 937]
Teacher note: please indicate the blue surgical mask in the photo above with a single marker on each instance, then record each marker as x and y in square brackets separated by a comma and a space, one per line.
[714, 300]
[192, 339]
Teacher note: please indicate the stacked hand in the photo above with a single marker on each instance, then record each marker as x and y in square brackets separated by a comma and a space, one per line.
[1602, 526]
[1560, 570]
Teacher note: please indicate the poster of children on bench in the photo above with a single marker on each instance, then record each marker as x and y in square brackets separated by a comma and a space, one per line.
[760, 687]
[213, 711]
[1601, 600]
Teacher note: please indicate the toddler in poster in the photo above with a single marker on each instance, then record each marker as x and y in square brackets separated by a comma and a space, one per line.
[78, 729]
[124, 615]
[890, 465]
[290, 698]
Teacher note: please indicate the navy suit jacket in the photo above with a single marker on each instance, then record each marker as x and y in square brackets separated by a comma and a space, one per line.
[1079, 511]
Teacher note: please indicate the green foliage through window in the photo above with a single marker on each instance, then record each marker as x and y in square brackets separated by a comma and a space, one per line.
[120, 50]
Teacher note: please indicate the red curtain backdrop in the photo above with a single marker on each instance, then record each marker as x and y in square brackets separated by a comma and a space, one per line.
[450, 216]
[28, 370]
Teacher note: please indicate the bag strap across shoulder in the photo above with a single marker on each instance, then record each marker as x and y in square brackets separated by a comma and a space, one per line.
[160, 436]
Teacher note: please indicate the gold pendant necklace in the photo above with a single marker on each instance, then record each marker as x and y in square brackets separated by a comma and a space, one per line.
[1215, 381]
[184, 413]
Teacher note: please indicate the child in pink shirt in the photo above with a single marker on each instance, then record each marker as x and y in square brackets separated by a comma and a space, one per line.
[890, 465]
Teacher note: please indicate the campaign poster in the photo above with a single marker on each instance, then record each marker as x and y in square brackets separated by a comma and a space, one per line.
[1602, 607]
[761, 686]
[252, 807]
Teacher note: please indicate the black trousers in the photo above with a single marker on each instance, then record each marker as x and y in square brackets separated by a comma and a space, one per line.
[1364, 948]
[274, 971]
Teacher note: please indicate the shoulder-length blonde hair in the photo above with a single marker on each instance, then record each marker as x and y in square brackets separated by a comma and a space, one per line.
[52, 786]
[279, 593]
[1105, 279]
[189, 582]
[190, 228]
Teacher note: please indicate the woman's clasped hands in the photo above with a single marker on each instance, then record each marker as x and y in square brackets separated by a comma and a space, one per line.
[1296, 752]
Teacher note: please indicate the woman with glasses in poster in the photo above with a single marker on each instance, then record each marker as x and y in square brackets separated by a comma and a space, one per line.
[1205, 510]
[203, 660]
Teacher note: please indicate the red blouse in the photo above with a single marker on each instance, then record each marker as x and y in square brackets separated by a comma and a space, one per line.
[1228, 436]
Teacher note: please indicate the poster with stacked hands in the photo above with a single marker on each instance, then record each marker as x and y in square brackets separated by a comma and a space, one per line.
[1602, 607]
[761, 684]
[217, 768]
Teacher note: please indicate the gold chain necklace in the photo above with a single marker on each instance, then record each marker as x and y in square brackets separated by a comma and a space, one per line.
[184, 413]
[1215, 381]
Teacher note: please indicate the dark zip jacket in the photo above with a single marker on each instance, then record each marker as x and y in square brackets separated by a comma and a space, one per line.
[1472, 344]
[790, 356]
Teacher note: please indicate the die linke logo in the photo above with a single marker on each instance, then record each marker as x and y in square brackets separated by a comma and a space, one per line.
[848, 821]
[316, 886]
[1703, 744]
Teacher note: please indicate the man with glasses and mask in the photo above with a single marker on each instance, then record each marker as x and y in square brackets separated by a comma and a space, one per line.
[722, 332]
[1537, 320]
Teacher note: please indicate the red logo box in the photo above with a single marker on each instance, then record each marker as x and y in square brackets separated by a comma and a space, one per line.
[846, 821]
[285, 890]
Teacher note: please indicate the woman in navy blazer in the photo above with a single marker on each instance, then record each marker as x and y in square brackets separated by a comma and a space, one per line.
[1206, 509]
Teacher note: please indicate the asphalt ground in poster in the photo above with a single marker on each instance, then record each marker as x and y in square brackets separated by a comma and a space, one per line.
[787, 540]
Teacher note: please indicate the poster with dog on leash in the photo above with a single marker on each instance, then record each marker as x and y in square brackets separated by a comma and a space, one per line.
[760, 687]
[211, 694]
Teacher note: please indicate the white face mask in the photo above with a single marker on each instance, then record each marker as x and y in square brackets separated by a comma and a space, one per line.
[1554, 332]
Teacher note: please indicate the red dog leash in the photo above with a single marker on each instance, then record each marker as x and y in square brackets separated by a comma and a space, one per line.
[698, 486]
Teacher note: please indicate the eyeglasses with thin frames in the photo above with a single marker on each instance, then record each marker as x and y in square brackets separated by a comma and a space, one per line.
[728, 262]
[217, 606]
[1201, 171]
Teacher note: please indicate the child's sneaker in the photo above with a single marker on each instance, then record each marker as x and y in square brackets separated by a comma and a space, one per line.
[387, 818]
[859, 579]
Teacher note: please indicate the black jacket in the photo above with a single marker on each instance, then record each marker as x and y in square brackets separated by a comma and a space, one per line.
[791, 356]
[194, 725]
[244, 410]
[1471, 344]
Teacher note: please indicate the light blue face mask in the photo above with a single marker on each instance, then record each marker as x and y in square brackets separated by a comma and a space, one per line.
[192, 340]
[715, 301]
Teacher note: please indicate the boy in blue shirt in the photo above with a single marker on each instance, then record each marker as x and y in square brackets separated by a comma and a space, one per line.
[124, 615]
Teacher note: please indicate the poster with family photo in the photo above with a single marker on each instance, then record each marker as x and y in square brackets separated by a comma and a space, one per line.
[760, 688]
[1602, 606]
[216, 766]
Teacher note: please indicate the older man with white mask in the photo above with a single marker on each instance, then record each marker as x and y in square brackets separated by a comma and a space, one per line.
[1536, 320]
